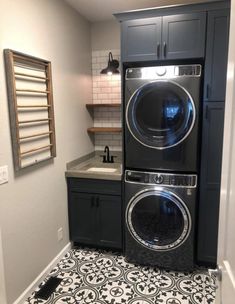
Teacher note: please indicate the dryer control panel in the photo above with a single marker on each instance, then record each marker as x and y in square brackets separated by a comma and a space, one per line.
[163, 179]
[164, 72]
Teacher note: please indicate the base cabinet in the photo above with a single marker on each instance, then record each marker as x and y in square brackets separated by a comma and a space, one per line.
[95, 214]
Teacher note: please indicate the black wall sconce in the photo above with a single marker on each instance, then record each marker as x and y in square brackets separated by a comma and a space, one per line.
[112, 67]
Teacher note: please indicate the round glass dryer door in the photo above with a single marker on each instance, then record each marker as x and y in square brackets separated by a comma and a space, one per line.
[158, 219]
[160, 114]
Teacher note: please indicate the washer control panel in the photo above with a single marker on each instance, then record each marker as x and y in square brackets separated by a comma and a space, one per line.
[159, 178]
[164, 72]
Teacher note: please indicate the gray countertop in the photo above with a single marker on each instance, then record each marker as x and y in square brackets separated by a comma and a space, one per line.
[91, 166]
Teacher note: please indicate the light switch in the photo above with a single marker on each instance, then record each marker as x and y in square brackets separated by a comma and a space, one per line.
[3, 174]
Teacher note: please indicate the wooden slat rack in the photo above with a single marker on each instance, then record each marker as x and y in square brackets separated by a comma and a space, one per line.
[30, 98]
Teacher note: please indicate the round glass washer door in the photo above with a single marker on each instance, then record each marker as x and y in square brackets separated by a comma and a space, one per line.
[158, 219]
[160, 114]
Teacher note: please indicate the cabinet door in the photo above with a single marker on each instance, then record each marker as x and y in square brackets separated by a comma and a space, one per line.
[216, 55]
[211, 157]
[109, 221]
[141, 39]
[183, 36]
[82, 218]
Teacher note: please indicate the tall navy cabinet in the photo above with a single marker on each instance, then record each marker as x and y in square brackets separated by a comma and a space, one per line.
[216, 55]
[212, 135]
[212, 139]
[190, 34]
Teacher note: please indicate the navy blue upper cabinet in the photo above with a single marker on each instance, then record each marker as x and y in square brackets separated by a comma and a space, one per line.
[216, 55]
[141, 39]
[168, 37]
[183, 36]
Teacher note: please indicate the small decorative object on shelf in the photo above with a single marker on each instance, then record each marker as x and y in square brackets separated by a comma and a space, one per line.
[30, 100]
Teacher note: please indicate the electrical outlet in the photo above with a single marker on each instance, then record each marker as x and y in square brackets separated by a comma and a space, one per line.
[3, 175]
[60, 234]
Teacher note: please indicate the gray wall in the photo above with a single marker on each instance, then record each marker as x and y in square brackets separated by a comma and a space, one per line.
[105, 35]
[33, 205]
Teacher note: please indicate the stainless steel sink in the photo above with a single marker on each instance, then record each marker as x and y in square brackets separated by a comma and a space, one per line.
[103, 169]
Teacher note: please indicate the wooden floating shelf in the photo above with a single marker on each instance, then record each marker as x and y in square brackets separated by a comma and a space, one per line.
[99, 105]
[104, 130]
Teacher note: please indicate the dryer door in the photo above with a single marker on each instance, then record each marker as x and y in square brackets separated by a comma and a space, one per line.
[158, 219]
[160, 114]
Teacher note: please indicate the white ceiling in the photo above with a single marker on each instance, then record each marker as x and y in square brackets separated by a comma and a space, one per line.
[101, 10]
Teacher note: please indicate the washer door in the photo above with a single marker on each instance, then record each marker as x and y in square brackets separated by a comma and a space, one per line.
[158, 219]
[160, 114]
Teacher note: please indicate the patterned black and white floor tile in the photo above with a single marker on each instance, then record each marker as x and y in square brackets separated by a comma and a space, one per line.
[99, 277]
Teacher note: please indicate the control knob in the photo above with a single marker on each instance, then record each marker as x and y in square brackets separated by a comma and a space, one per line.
[161, 71]
[158, 179]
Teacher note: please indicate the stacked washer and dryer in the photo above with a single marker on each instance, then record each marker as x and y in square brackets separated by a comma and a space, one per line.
[161, 130]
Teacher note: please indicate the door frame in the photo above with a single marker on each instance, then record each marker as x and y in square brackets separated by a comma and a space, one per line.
[227, 285]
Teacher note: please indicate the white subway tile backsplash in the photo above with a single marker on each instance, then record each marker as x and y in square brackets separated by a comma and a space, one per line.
[95, 66]
[106, 89]
[116, 89]
[94, 59]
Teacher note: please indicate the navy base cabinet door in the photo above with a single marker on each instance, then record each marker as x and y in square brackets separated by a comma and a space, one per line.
[141, 39]
[109, 221]
[95, 212]
[211, 158]
[216, 55]
[183, 36]
[82, 218]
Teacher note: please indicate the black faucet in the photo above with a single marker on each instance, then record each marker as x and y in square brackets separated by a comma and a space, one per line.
[107, 158]
[106, 150]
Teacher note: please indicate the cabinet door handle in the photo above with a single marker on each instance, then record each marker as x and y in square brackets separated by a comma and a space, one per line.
[158, 50]
[206, 114]
[92, 201]
[97, 201]
[164, 49]
[207, 91]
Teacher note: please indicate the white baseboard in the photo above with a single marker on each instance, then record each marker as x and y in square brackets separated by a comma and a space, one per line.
[28, 291]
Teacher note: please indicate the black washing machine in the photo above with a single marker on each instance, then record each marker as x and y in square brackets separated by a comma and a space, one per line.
[162, 106]
[160, 219]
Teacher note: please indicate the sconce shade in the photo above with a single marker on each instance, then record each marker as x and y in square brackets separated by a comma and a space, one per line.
[112, 67]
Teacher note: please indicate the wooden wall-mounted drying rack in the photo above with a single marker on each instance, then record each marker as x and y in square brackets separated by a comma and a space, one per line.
[30, 99]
